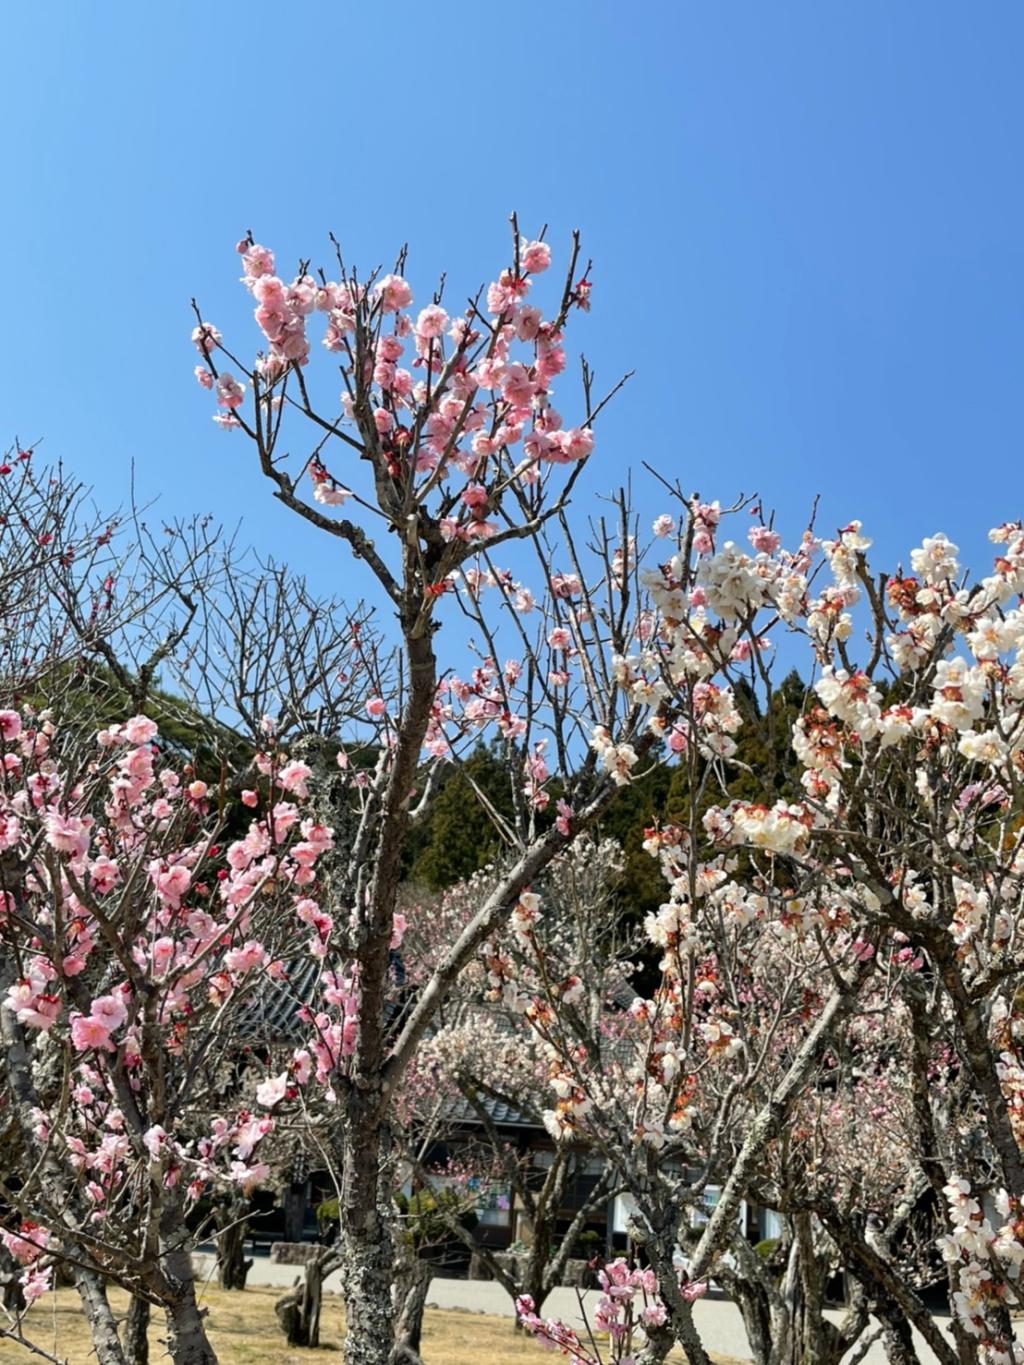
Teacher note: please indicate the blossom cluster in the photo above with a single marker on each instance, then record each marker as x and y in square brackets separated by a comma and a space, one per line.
[988, 1268]
[627, 1308]
[135, 931]
[437, 397]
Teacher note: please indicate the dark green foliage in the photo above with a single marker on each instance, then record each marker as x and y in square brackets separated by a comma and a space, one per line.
[458, 837]
[632, 810]
[89, 698]
[426, 1216]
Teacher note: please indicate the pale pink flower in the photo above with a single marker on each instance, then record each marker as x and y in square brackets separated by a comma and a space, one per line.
[765, 541]
[230, 393]
[173, 884]
[155, 1140]
[31, 1006]
[272, 1090]
[431, 321]
[87, 1032]
[528, 322]
[139, 730]
[394, 293]
[104, 874]
[67, 833]
[474, 495]
[35, 1283]
[294, 776]
[28, 1243]
[10, 725]
[109, 1010]
[246, 958]
[535, 257]
[205, 337]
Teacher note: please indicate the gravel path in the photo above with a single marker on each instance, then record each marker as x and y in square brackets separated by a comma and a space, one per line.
[718, 1320]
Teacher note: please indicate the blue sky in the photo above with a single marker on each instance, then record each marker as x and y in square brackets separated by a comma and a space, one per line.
[805, 218]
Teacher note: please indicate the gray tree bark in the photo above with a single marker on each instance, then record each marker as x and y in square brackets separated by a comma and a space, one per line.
[136, 1332]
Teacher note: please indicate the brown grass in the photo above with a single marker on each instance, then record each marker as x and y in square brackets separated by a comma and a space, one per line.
[244, 1331]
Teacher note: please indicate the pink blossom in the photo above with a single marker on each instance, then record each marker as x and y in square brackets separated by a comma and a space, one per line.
[393, 293]
[528, 323]
[87, 1032]
[104, 874]
[230, 393]
[250, 1133]
[764, 540]
[28, 1243]
[293, 778]
[139, 730]
[574, 444]
[272, 1090]
[535, 257]
[249, 1177]
[67, 833]
[10, 725]
[246, 958]
[155, 1141]
[376, 707]
[172, 884]
[35, 1283]
[431, 321]
[205, 337]
[257, 260]
[33, 1007]
[516, 385]
[109, 1010]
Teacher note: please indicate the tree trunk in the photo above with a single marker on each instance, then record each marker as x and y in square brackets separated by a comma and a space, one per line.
[299, 1310]
[365, 1242]
[899, 1343]
[661, 1251]
[136, 1329]
[232, 1267]
[187, 1342]
[294, 1201]
[410, 1302]
[369, 1264]
[92, 1290]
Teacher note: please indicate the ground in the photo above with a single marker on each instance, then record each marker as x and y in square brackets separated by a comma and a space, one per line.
[244, 1331]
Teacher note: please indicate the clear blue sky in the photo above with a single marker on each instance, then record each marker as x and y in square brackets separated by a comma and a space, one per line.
[806, 222]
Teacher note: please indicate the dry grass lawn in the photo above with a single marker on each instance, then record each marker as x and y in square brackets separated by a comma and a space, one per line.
[244, 1331]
